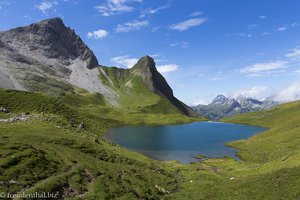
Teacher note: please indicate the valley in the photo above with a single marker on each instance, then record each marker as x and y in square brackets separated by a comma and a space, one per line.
[70, 101]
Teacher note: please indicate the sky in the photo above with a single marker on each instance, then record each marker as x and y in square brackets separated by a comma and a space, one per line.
[202, 47]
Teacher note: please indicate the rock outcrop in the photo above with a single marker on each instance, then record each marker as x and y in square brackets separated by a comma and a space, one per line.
[156, 83]
[48, 57]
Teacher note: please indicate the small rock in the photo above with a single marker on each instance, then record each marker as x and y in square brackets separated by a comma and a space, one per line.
[232, 178]
[5, 110]
[13, 182]
[81, 125]
[96, 140]
[191, 181]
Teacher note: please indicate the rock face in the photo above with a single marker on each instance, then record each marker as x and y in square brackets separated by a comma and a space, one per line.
[48, 39]
[48, 57]
[156, 83]
[222, 107]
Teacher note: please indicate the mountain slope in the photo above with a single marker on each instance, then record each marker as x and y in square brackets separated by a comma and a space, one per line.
[49, 57]
[270, 166]
[143, 88]
[52, 152]
[222, 107]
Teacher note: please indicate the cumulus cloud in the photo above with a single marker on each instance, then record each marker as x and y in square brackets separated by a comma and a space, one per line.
[285, 94]
[113, 7]
[124, 61]
[256, 92]
[288, 93]
[46, 6]
[262, 17]
[283, 28]
[295, 53]
[99, 34]
[264, 67]
[131, 26]
[187, 24]
[167, 68]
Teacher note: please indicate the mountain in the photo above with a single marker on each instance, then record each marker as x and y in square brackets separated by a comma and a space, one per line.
[49, 57]
[143, 87]
[222, 107]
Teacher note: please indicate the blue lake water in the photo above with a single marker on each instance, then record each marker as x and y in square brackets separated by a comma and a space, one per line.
[182, 142]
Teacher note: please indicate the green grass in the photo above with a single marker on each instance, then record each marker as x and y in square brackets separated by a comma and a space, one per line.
[134, 96]
[49, 153]
[271, 162]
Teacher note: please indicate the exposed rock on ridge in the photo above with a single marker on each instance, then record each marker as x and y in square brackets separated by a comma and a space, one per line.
[48, 57]
[156, 83]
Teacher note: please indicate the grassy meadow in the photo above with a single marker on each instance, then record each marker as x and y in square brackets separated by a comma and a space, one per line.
[51, 152]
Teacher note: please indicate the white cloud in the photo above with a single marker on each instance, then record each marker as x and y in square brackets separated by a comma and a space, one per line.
[167, 68]
[294, 24]
[180, 44]
[196, 14]
[263, 67]
[252, 26]
[113, 7]
[248, 35]
[46, 6]
[265, 33]
[131, 26]
[201, 102]
[99, 34]
[4, 3]
[152, 11]
[289, 93]
[256, 92]
[185, 25]
[217, 76]
[283, 28]
[124, 61]
[295, 53]
[204, 99]
[262, 17]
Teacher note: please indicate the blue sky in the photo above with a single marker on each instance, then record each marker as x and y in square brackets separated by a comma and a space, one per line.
[202, 47]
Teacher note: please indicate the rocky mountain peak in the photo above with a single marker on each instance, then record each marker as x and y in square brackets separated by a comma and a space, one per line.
[145, 63]
[222, 106]
[49, 57]
[49, 39]
[220, 99]
[155, 82]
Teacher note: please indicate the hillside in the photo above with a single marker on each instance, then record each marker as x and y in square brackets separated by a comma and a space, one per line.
[270, 167]
[56, 148]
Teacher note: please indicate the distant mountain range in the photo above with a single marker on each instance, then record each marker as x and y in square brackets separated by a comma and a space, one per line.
[222, 107]
[49, 57]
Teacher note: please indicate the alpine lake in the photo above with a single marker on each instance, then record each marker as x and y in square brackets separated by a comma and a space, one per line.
[185, 143]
